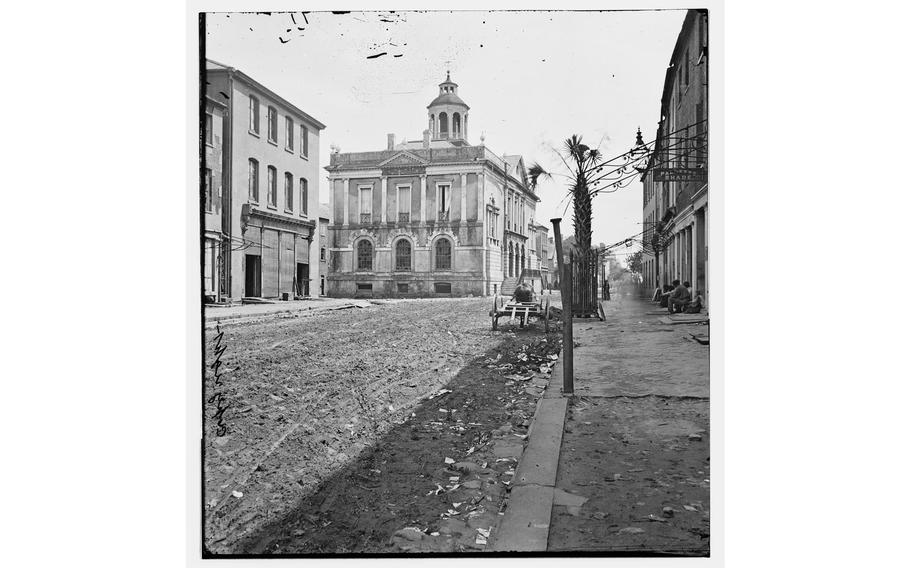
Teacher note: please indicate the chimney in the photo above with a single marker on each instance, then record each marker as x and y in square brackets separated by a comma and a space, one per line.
[426, 139]
[391, 141]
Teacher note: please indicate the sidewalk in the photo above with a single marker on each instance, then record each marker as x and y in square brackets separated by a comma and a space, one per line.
[629, 471]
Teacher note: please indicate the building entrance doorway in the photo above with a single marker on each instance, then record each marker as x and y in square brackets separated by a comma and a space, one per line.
[303, 279]
[253, 275]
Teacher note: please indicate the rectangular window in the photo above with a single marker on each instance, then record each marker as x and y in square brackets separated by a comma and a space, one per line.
[404, 203]
[442, 287]
[366, 204]
[289, 132]
[254, 115]
[273, 187]
[322, 253]
[288, 192]
[254, 181]
[304, 141]
[402, 288]
[364, 287]
[208, 128]
[304, 191]
[443, 191]
[207, 190]
[273, 125]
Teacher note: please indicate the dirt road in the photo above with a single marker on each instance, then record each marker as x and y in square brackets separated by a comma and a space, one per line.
[307, 399]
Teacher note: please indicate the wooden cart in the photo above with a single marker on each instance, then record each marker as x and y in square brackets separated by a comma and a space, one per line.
[522, 311]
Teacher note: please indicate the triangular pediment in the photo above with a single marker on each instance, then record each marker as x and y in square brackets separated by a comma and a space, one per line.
[404, 159]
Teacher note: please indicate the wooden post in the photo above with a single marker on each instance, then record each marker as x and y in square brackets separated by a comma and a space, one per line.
[568, 367]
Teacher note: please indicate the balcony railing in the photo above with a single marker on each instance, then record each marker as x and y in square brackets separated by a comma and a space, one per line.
[404, 217]
[366, 218]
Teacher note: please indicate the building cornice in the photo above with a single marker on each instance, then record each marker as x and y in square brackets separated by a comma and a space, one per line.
[234, 72]
[271, 220]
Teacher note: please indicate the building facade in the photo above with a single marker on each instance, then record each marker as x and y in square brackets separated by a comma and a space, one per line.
[325, 218]
[212, 188]
[675, 199]
[430, 217]
[270, 200]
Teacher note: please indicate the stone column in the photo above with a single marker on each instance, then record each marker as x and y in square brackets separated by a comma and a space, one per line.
[384, 189]
[344, 200]
[481, 197]
[464, 197]
[331, 199]
[423, 198]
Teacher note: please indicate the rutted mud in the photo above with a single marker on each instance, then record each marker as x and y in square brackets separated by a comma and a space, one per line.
[335, 445]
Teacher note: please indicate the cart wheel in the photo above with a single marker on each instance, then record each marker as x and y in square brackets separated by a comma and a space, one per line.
[495, 323]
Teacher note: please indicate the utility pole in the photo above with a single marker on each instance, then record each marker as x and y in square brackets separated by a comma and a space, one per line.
[568, 347]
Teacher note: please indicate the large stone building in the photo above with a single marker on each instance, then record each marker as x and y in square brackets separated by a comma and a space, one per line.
[436, 216]
[270, 195]
[675, 200]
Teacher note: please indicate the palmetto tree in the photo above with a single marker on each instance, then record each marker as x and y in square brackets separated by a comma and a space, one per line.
[582, 162]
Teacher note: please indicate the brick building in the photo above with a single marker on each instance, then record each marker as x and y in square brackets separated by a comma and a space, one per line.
[270, 199]
[436, 216]
[675, 198]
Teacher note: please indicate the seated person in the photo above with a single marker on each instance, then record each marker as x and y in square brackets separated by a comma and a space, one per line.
[524, 293]
[668, 289]
[679, 298]
[696, 304]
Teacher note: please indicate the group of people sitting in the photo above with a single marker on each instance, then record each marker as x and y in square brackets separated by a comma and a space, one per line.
[677, 298]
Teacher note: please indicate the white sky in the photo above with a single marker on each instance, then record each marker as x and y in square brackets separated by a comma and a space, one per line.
[532, 79]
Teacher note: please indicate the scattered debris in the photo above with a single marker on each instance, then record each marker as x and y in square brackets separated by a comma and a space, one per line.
[631, 530]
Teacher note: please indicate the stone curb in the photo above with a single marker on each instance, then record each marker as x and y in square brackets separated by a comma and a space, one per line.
[525, 527]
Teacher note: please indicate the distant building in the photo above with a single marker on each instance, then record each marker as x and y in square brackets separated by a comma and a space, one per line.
[436, 216]
[213, 235]
[542, 249]
[270, 198]
[675, 199]
[325, 217]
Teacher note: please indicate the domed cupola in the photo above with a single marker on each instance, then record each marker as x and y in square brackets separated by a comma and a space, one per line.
[448, 114]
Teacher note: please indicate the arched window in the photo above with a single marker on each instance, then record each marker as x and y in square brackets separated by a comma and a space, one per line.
[364, 255]
[522, 259]
[443, 254]
[511, 259]
[432, 124]
[403, 255]
[456, 125]
[443, 124]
